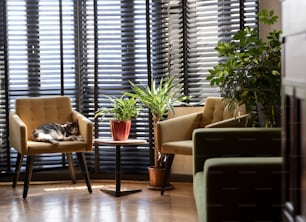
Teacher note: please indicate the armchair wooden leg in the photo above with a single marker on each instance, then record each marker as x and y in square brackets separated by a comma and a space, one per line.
[17, 169]
[167, 173]
[71, 167]
[28, 175]
[84, 170]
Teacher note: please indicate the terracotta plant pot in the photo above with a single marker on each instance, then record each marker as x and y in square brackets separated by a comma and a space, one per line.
[120, 129]
[156, 177]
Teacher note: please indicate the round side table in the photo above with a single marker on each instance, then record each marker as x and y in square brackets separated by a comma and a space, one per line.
[118, 144]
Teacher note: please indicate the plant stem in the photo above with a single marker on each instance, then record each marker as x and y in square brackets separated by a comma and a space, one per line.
[156, 140]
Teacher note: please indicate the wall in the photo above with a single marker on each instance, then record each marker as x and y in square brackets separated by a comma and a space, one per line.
[274, 5]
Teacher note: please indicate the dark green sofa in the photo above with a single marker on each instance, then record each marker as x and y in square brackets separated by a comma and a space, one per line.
[237, 174]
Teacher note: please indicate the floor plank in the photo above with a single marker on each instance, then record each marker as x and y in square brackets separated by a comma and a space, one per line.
[63, 201]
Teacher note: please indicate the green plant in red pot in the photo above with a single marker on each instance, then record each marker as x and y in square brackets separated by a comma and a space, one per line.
[122, 111]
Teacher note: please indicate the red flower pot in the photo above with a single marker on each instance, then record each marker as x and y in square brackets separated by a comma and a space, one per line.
[120, 129]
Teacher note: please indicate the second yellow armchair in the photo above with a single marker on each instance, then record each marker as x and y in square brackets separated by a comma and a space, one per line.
[175, 135]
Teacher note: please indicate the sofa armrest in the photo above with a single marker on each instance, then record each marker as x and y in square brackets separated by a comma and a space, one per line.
[179, 128]
[85, 127]
[18, 135]
[240, 121]
[234, 142]
[243, 188]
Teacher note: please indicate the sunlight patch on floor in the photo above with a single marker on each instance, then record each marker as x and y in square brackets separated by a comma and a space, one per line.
[74, 188]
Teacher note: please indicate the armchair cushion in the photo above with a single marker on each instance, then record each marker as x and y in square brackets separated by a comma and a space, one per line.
[182, 147]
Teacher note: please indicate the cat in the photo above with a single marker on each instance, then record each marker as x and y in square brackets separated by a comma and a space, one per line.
[54, 132]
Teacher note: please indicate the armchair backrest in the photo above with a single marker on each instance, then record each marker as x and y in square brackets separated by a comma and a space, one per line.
[35, 111]
[215, 110]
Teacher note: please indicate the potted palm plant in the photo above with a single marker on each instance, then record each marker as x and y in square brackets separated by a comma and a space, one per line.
[122, 110]
[159, 99]
[250, 71]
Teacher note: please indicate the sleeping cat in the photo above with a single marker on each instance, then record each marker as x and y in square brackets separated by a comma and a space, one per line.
[54, 132]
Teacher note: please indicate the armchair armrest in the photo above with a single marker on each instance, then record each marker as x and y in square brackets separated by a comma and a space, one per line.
[18, 135]
[179, 128]
[85, 127]
[234, 142]
[185, 110]
[240, 121]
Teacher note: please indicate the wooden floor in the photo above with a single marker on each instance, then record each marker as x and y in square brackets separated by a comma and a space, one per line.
[65, 202]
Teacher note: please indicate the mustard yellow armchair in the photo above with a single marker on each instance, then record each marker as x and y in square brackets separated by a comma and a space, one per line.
[174, 136]
[32, 112]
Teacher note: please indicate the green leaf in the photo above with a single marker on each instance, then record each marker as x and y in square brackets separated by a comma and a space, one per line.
[159, 99]
[249, 71]
[267, 17]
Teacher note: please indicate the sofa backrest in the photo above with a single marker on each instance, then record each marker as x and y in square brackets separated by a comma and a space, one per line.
[234, 142]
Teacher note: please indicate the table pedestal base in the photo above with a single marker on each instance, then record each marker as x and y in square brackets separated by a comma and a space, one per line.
[120, 193]
[117, 192]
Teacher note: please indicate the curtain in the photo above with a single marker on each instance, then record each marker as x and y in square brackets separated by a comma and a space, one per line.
[121, 56]
[87, 49]
[4, 153]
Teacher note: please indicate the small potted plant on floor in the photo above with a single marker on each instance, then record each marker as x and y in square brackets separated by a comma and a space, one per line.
[159, 98]
[250, 72]
[122, 110]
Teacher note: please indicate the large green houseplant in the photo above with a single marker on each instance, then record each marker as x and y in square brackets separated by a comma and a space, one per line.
[159, 99]
[122, 110]
[249, 71]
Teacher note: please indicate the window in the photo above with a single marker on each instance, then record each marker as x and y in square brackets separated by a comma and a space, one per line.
[121, 56]
[90, 48]
[193, 31]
